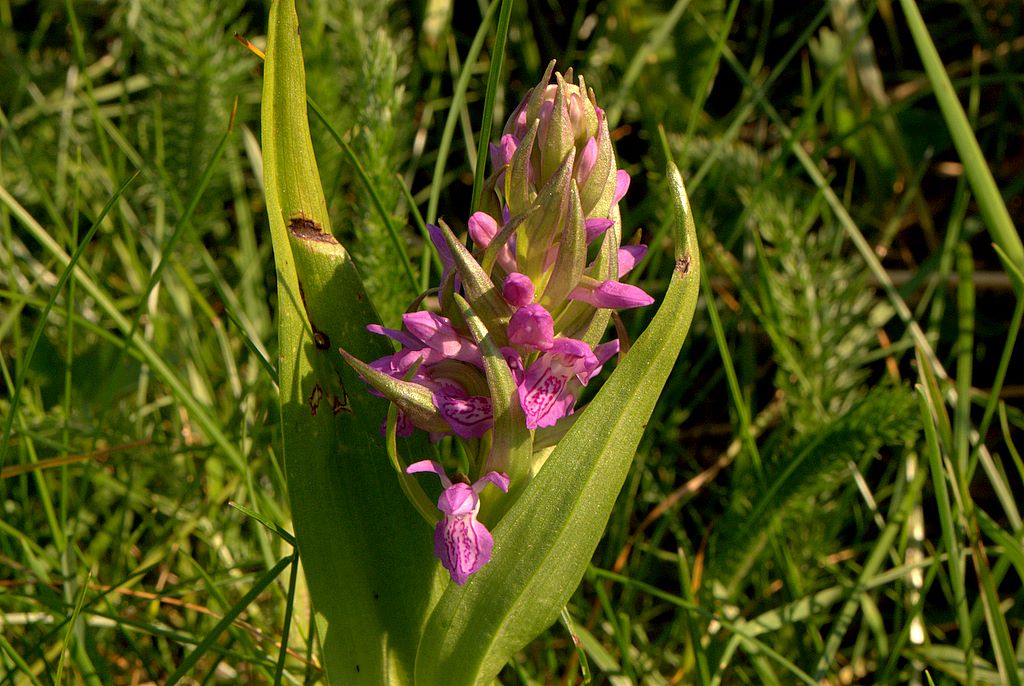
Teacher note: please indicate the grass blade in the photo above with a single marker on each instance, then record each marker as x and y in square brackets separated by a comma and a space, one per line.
[230, 616]
[493, 79]
[979, 176]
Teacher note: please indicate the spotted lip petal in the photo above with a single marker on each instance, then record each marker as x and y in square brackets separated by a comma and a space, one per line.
[546, 394]
[463, 545]
[469, 416]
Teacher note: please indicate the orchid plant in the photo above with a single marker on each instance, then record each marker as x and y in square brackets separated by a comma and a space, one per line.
[493, 359]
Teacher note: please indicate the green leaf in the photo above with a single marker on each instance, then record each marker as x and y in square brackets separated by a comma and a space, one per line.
[367, 558]
[545, 541]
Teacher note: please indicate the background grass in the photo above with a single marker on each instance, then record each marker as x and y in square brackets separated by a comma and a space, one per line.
[829, 488]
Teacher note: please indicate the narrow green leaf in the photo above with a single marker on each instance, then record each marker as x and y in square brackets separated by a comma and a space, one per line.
[544, 543]
[371, 188]
[950, 534]
[272, 526]
[69, 269]
[19, 662]
[75, 614]
[288, 608]
[458, 102]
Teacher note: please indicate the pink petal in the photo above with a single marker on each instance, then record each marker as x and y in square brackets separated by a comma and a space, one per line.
[469, 417]
[482, 228]
[532, 326]
[517, 289]
[432, 329]
[606, 351]
[430, 466]
[597, 226]
[543, 399]
[515, 364]
[547, 393]
[402, 337]
[459, 499]
[501, 153]
[574, 354]
[576, 115]
[439, 334]
[629, 256]
[499, 479]
[585, 161]
[612, 295]
[463, 545]
[621, 185]
[443, 252]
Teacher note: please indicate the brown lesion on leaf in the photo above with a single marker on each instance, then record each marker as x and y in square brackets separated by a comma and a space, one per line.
[314, 399]
[339, 403]
[305, 228]
[683, 265]
[320, 338]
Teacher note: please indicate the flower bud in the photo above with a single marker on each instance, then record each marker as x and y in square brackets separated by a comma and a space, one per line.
[556, 188]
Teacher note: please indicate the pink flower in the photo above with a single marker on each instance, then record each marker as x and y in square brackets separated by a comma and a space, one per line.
[596, 227]
[629, 256]
[482, 229]
[461, 543]
[621, 185]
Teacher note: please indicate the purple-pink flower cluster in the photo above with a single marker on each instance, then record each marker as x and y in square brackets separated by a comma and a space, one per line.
[544, 274]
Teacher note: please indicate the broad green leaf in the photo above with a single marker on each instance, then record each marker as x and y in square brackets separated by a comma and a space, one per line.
[545, 541]
[367, 556]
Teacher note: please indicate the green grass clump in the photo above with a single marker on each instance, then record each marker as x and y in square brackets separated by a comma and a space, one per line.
[828, 491]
